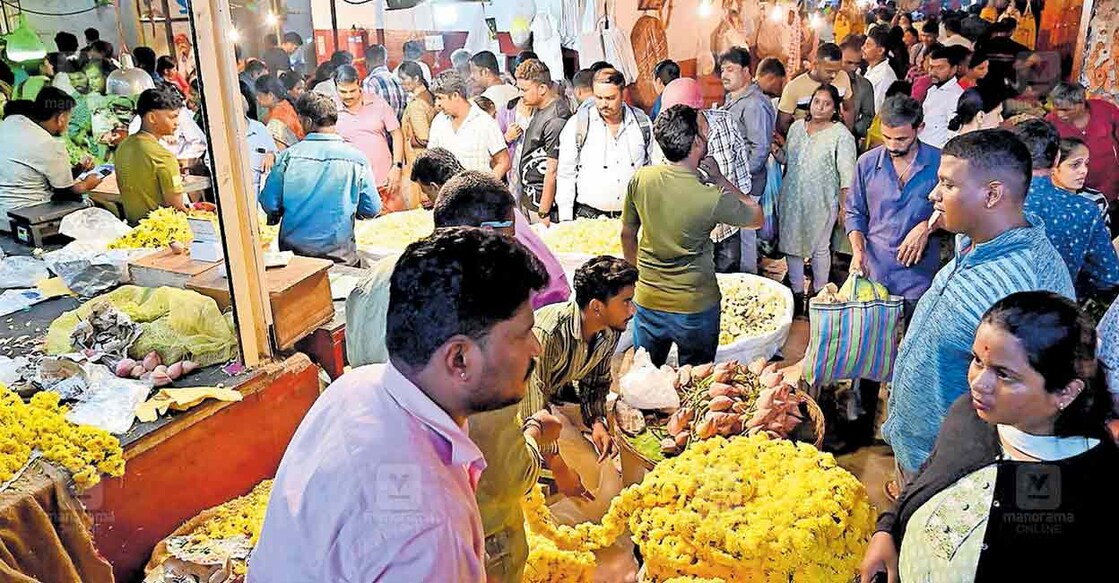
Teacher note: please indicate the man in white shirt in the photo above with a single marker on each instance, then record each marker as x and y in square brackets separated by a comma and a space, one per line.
[954, 35]
[943, 95]
[262, 151]
[600, 150]
[878, 70]
[33, 162]
[463, 128]
[486, 76]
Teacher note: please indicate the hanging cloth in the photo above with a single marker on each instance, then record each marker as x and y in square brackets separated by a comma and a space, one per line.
[1026, 33]
[546, 43]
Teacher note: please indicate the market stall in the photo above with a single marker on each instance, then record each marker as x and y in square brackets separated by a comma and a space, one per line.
[190, 401]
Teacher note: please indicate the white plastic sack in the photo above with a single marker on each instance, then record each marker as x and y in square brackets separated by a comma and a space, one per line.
[96, 227]
[88, 269]
[110, 403]
[764, 345]
[647, 387]
[21, 271]
[10, 369]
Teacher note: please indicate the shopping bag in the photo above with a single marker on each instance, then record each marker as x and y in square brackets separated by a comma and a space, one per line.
[853, 339]
[768, 232]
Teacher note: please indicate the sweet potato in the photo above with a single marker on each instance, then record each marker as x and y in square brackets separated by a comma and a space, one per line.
[721, 403]
[721, 390]
[703, 371]
[680, 420]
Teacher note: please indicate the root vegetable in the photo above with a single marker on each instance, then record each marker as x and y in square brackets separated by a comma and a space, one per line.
[705, 429]
[757, 366]
[151, 361]
[137, 371]
[684, 375]
[703, 371]
[680, 420]
[770, 379]
[668, 446]
[721, 403]
[160, 379]
[682, 439]
[160, 369]
[189, 366]
[721, 390]
[723, 376]
[125, 366]
[175, 370]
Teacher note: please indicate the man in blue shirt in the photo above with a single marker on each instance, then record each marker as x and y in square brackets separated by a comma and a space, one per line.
[1075, 225]
[319, 186]
[1000, 250]
[887, 215]
[888, 206]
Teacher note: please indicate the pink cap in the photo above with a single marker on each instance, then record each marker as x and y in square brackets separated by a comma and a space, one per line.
[682, 91]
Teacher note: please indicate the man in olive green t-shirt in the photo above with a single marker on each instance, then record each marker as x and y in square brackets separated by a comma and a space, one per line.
[147, 173]
[675, 208]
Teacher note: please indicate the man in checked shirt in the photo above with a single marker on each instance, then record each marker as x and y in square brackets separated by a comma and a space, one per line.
[729, 149]
[572, 376]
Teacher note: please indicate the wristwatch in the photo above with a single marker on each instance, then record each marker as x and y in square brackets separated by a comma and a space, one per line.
[543, 213]
[398, 164]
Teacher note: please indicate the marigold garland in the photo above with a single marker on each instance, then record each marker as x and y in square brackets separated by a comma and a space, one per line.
[745, 510]
[86, 452]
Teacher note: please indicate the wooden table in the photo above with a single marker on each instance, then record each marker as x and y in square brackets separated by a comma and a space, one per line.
[107, 194]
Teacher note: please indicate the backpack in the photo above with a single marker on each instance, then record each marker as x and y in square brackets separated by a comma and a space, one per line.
[583, 122]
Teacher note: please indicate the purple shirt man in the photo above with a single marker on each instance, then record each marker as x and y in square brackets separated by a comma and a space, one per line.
[378, 462]
[885, 212]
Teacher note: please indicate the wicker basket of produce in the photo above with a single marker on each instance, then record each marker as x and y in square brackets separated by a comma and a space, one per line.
[725, 399]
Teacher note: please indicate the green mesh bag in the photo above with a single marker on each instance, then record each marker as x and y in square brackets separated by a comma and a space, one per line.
[178, 324]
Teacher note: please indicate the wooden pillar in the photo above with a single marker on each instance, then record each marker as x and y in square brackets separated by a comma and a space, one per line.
[237, 207]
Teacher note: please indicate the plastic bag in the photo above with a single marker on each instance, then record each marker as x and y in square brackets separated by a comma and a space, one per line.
[110, 402]
[88, 269]
[21, 271]
[95, 227]
[177, 324]
[768, 232]
[10, 369]
[647, 387]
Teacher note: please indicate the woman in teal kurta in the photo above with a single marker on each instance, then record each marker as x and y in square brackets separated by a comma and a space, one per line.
[820, 166]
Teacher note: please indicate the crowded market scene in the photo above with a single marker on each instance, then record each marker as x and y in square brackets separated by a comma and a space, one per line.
[609, 291]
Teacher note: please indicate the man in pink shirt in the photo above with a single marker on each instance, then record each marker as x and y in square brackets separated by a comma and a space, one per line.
[378, 483]
[366, 120]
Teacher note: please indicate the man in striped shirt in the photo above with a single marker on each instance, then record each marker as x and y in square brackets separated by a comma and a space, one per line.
[572, 376]
[382, 82]
[1000, 249]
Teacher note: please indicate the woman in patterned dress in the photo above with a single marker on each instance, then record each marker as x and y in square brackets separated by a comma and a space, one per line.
[416, 125]
[819, 155]
[1020, 485]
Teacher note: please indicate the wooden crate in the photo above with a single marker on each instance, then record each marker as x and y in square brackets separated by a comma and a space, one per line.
[299, 295]
[166, 268]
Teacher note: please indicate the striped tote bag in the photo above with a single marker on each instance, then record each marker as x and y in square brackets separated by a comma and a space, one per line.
[854, 339]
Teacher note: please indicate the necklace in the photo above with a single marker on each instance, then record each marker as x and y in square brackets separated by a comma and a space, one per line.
[901, 175]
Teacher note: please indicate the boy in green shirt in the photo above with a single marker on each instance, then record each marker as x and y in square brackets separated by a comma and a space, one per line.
[147, 173]
[675, 207]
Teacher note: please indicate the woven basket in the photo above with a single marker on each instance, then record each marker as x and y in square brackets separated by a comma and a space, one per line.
[635, 464]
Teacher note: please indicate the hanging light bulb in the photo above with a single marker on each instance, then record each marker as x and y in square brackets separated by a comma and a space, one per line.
[234, 35]
[704, 8]
[271, 20]
[777, 13]
[816, 21]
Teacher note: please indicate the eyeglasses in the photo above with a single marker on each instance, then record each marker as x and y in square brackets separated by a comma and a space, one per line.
[496, 224]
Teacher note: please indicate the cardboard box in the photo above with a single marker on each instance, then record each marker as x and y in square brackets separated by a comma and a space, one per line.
[298, 293]
[210, 252]
[166, 268]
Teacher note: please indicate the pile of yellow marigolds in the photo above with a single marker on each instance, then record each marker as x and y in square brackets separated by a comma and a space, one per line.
[746, 510]
[86, 452]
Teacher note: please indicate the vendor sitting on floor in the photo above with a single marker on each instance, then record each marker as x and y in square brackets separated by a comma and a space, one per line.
[514, 454]
[33, 162]
[572, 377]
[319, 187]
[147, 174]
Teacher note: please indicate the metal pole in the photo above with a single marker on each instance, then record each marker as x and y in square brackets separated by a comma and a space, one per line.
[334, 24]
